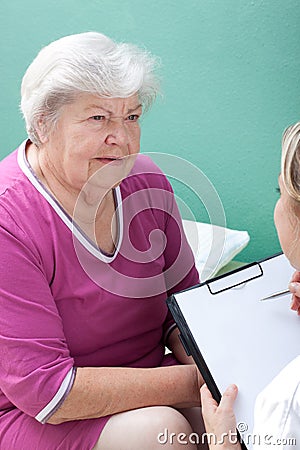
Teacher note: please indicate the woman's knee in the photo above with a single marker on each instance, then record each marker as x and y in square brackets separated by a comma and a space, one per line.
[172, 421]
[175, 430]
[147, 428]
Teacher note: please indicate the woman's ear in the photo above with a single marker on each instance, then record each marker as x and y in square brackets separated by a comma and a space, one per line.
[42, 130]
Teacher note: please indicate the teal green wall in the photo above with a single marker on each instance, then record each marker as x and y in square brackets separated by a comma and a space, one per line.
[230, 70]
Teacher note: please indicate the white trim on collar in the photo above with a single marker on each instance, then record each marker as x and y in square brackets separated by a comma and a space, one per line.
[95, 251]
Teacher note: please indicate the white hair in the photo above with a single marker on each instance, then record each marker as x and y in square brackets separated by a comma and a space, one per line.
[86, 62]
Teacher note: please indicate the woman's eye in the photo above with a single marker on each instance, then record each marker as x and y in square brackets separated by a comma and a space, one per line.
[133, 117]
[98, 117]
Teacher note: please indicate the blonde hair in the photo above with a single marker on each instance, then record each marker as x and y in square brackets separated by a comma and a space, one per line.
[290, 161]
[85, 62]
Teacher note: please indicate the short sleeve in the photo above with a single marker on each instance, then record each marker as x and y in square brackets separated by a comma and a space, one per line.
[36, 369]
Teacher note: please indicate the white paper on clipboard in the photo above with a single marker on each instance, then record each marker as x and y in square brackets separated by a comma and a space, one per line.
[244, 340]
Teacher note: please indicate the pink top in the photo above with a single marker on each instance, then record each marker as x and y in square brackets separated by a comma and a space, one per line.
[65, 304]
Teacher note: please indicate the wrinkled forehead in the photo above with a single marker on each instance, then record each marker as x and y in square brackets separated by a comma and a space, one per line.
[85, 105]
[112, 106]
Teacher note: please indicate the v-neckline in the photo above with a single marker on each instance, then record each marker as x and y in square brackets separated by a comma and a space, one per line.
[66, 218]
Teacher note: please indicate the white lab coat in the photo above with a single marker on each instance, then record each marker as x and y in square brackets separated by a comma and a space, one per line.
[277, 411]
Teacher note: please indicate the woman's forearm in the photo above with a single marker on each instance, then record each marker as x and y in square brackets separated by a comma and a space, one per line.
[99, 392]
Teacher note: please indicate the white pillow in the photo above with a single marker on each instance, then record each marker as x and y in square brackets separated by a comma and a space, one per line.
[213, 246]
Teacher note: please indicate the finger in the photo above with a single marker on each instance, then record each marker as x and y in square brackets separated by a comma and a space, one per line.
[296, 277]
[207, 401]
[295, 303]
[295, 288]
[228, 397]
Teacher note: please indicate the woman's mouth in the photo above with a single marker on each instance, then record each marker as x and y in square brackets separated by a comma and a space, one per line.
[111, 160]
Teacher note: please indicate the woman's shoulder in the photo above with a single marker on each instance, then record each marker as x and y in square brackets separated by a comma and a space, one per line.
[17, 194]
[10, 172]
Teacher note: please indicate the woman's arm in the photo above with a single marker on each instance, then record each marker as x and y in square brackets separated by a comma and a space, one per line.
[99, 392]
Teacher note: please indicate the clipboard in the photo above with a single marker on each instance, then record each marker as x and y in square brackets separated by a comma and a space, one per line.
[234, 337]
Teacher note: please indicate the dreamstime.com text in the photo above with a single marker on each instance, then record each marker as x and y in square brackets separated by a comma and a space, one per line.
[167, 437]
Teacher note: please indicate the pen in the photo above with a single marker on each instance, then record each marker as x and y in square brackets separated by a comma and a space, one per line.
[275, 295]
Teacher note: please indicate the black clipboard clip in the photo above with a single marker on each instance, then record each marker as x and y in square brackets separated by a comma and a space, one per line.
[235, 278]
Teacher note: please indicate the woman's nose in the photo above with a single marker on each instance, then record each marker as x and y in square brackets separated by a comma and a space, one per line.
[117, 133]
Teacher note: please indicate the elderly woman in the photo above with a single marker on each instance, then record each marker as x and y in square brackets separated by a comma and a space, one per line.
[91, 245]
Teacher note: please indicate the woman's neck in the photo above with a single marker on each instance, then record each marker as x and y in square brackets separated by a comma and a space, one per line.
[85, 205]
